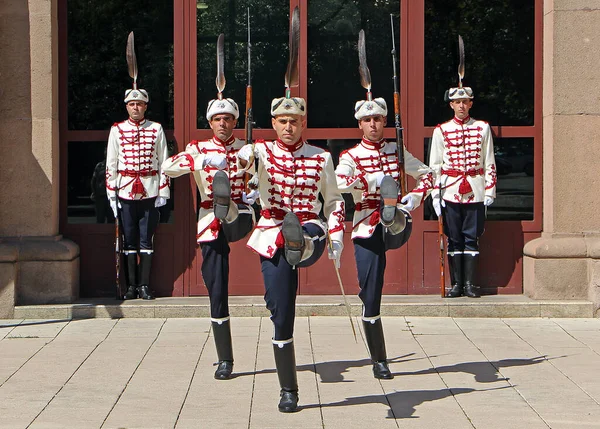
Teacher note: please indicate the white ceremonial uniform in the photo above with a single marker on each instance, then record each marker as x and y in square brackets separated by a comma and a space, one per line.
[356, 175]
[134, 156]
[462, 158]
[291, 179]
[192, 161]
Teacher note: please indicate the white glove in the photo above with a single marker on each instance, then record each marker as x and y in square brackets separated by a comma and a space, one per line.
[215, 160]
[253, 182]
[160, 201]
[335, 251]
[409, 201]
[378, 175]
[245, 152]
[437, 207]
[251, 197]
[488, 201]
[113, 205]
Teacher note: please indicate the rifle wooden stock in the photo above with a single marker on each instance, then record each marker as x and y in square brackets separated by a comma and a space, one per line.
[248, 130]
[399, 145]
[118, 257]
[442, 260]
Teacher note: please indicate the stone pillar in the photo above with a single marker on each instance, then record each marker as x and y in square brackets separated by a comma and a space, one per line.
[29, 156]
[561, 264]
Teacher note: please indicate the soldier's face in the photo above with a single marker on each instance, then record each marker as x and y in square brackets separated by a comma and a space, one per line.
[136, 110]
[461, 107]
[372, 127]
[222, 125]
[288, 127]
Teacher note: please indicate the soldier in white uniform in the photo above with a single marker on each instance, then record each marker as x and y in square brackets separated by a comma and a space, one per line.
[214, 166]
[136, 187]
[462, 157]
[290, 234]
[369, 172]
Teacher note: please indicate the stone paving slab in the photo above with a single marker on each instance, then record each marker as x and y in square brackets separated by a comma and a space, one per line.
[158, 373]
[505, 306]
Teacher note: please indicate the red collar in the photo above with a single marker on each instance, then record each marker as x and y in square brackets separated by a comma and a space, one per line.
[461, 121]
[372, 145]
[136, 123]
[229, 141]
[290, 148]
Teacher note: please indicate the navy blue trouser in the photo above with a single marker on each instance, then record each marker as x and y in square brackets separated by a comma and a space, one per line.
[139, 219]
[463, 224]
[281, 284]
[215, 263]
[370, 264]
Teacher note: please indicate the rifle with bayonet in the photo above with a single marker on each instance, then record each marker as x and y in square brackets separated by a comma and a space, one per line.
[249, 114]
[397, 117]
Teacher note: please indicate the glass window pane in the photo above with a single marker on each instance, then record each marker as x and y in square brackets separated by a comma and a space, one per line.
[97, 67]
[514, 190]
[499, 58]
[333, 79]
[269, 35]
[86, 186]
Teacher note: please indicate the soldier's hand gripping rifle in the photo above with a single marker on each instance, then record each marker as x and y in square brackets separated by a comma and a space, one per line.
[397, 117]
[249, 113]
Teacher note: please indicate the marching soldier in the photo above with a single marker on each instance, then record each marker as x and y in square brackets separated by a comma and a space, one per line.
[136, 187]
[369, 172]
[292, 174]
[462, 157]
[292, 177]
[225, 214]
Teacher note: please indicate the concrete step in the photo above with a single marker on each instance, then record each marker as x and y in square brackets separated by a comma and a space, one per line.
[506, 306]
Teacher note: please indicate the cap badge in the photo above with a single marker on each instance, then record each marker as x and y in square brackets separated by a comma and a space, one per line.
[221, 105]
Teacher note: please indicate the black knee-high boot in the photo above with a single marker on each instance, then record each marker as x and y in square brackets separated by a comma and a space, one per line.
[470, 267]
[222, 333]
[376, 343]
[144, 276]
[132, 284]
[455, 265]
[285, 362]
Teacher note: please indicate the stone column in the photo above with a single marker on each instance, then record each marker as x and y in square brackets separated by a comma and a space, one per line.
[562, 263]
[46, 264]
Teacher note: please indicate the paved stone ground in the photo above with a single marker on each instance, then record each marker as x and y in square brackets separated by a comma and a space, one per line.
[158, 373]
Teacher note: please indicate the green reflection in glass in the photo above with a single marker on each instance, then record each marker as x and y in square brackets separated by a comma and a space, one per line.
[515, 187]
[97, 69]
[269, 32]
[86, 186]
[499, 57]
[333, 79]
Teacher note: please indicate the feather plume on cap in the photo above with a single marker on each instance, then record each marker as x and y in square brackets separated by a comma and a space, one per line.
[363, 68]
[220, 80]
[292, 74]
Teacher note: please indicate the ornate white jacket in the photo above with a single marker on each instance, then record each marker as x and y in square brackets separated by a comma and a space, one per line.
[291, 179]
[134, 154]
[356, 175]
[192, 161]
[462, 158]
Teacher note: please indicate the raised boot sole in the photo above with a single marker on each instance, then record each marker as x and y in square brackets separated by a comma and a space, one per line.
[221, 195]
[389, 197]
[294, 238]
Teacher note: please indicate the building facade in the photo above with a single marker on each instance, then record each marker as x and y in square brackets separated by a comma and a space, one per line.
[64, 75]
